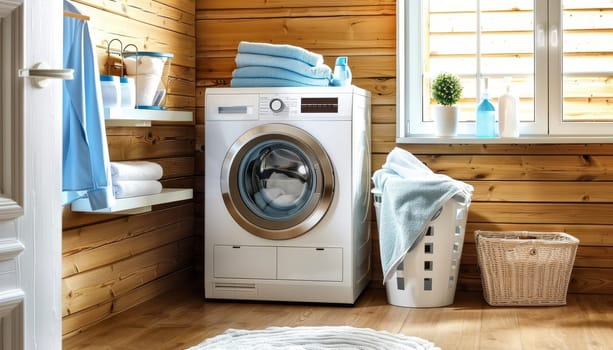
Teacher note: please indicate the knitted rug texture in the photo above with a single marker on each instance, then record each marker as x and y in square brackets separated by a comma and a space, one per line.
[311, 338]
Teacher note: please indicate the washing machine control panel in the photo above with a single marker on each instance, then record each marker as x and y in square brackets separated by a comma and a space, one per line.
[275, 105]
[295, 105]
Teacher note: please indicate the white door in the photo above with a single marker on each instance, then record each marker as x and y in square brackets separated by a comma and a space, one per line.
[30, 177]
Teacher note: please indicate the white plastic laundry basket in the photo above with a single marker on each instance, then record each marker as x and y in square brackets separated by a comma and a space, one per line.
[428, 275]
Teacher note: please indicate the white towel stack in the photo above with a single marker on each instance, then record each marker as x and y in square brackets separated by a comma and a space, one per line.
[136, 178]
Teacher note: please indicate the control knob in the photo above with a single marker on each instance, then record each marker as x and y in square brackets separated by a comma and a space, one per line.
[276, 105]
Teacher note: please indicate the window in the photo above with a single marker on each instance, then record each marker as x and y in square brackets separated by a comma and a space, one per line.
[556, 54]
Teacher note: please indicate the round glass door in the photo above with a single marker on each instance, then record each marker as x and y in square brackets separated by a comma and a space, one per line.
[277, 181]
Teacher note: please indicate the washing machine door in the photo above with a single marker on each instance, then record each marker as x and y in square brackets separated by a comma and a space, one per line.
[277, 181]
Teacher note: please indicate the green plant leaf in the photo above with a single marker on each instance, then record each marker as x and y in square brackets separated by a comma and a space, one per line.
[446, 89]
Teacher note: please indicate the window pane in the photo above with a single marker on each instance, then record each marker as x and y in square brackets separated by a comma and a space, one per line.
[587, 60]
[451, 46]
[503, 47]
[507, 50]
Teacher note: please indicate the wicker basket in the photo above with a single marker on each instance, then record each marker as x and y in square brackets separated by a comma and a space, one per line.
[525, 268]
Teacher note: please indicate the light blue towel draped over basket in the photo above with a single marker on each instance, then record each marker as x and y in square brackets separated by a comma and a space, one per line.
[411, 196]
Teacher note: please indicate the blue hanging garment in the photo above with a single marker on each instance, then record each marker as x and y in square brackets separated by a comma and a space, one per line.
[85, 158]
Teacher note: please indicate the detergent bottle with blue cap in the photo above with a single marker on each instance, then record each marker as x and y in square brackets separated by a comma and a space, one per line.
[342, 73]
[486, 116]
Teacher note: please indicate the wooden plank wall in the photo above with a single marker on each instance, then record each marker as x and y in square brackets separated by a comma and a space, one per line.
[517, 187]
[114, 262]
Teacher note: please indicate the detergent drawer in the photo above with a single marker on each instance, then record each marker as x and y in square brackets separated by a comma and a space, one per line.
[240, 261]
[310, 264]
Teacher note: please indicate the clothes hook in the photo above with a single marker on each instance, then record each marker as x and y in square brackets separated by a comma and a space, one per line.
[135, 50]
[108, 55]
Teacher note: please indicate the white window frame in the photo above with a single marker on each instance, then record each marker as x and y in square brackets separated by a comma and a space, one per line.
[548, 126]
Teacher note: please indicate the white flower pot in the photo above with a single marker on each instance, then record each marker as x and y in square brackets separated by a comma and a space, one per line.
[445, 119]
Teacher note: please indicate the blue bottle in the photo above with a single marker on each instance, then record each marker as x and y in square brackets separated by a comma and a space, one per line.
[486, 116]
[342, 73]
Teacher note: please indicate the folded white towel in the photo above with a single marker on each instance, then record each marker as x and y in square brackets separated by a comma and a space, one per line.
[136, 170]
[130, 188]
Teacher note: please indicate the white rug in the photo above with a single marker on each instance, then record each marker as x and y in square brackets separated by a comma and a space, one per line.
[311, 338]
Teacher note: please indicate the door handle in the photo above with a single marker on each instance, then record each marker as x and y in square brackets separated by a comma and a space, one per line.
[40, 73]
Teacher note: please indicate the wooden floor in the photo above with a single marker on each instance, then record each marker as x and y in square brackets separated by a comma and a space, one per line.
[178, 320]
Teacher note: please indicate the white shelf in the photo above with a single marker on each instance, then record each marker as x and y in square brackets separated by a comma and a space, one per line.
[137, 205]
[143, 117]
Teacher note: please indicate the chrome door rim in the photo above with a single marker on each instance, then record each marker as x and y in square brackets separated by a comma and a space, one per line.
[316, 208]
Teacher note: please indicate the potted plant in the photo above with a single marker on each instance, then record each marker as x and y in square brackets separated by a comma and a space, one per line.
[446, 91]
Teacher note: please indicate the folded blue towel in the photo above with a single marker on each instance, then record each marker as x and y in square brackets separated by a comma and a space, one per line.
[278, 73]
[283, 50]
[266, 82]
[409, 201]
[321, 71]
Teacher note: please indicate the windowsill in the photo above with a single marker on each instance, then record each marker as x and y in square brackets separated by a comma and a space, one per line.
[529, 139]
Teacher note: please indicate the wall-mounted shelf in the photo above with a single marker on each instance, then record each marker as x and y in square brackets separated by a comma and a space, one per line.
[143, 117]
[137, 205]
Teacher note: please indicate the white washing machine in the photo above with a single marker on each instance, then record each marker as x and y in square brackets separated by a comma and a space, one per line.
[287, 178]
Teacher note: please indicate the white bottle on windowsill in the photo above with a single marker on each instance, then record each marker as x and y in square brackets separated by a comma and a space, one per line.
[508, 118]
